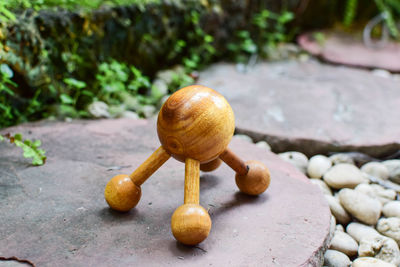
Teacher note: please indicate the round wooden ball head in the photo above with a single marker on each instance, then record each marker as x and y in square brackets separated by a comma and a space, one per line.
[194, 126]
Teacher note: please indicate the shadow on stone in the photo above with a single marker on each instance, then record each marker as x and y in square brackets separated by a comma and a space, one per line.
[239, 199]
[109, 215]
[208, 181]
[183, 252]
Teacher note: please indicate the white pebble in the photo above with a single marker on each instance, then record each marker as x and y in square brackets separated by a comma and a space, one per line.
[377, 192]
[391, 209]
[344, 243]
[376, 169]
[359, 231]
[371, 262]
[381, 73]
[381, 247]
[318, 165]
[337, 210]
[264, 145]
[393, 167]
[344, 175]
[299, 160]
[390, 227]
[334, 258]
[360, 205]
[99, 109]
[244, 137]
[341, 158]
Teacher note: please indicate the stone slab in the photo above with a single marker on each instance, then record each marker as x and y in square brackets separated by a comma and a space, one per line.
[56, 215]
[347, 49]
[312, 107]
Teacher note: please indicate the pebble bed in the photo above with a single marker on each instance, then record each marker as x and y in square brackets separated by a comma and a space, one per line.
[364, 202]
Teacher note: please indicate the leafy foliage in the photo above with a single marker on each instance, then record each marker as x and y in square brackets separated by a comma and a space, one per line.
[30, 148]
[390, 9]
[268, 30]
[62, 61]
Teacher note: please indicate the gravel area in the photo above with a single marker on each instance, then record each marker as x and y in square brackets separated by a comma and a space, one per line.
[365, 205]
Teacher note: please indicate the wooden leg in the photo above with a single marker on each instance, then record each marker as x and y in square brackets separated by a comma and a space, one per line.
[234, 162]
[192, 182]
[144, 171]
[123, 191]
[252, 177]
[190, 223]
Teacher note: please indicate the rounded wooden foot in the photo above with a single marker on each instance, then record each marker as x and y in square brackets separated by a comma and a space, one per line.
[121, 193]
[190, 224]
[257, 179]
[210, 166]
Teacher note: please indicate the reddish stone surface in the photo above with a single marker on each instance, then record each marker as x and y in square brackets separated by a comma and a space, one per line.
[345, 49]
[311, 107]
[56, 215]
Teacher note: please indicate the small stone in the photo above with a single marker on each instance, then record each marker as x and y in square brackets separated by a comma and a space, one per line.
[244, 137]
[116, 110]
[390, 227]
[382, 193]
[159, 88]
[377, 192]
[322, 186]
[148, 110]
[341, 158]
[371, 262]
[318, 165]
[376, 169]
[166, 75]
[339, 227]
[131, 102]
[344, 175]
[360, 205]
[130, 114]
[391, 209]
[380, 247]
[332, 227]
[334, 258]
[393, 167]
[337, 210]
[99, 109]
[359, 231]
[263, 145]
[299, 160]
[344, 243]
[381, 73]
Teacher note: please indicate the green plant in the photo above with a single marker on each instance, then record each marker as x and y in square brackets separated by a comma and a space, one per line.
[6, 93]
[31, 148]
[116, 78]
[271, 29]
[268, 29]
[69, 100]
[389, 8]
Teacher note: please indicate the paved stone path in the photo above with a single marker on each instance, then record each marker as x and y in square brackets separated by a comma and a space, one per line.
[346, 49]
[311, 107]
[55, 215]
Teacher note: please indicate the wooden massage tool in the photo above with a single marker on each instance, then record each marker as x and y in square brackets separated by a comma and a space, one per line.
[195, 126]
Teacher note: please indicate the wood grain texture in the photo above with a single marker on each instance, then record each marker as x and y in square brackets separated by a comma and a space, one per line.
[256, 181]
[121, 193]
[195, 122]
[234, 162]
[190, 224]
[192, 181]
[147, 168]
